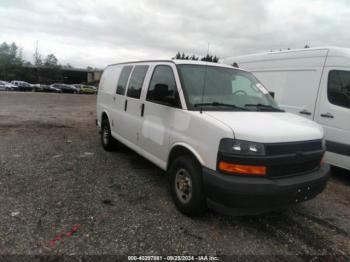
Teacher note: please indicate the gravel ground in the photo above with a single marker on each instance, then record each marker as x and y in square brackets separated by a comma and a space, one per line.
[61, 193]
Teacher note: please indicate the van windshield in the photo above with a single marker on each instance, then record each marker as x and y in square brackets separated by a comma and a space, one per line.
[221, 89]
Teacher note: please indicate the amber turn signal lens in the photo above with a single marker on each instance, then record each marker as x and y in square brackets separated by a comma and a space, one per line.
[242, 169]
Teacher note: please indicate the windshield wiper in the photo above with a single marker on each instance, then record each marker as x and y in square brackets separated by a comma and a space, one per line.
[268, 107]
[221, 104]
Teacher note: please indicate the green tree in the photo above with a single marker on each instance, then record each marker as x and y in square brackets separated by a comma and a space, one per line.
[177, 56]
[11, 61]
[234, 64]
[210, 58]
[51, 61]
[184, 56]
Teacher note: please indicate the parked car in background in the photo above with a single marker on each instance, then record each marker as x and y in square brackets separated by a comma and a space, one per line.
[22, 86]
[38, 87]
[313, 83]
[51, 89]
[46, 88]
[86, 89]
[6, 86]
[65, 88]
[77, 86]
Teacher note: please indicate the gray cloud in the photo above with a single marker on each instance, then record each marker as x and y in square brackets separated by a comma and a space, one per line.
[98, 33]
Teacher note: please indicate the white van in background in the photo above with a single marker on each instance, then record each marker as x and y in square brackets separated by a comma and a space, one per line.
[218, 133]
[311, 82]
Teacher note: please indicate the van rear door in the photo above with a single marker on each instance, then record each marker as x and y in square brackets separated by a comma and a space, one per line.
[334, 114]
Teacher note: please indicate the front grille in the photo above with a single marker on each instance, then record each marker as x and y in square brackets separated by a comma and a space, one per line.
[283, 159]
[293, 147]
[292, 169]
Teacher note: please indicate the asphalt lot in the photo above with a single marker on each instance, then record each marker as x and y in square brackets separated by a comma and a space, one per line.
[55, 178]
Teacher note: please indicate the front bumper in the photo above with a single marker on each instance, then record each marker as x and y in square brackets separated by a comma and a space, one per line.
[248, 195]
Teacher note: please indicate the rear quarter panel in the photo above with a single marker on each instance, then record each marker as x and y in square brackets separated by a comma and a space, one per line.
[106, 91]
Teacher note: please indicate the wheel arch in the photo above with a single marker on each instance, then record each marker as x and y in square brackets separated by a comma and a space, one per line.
[104, 115]
[183, 149]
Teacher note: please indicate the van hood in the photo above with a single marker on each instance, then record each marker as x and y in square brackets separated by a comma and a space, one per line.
[269, 127]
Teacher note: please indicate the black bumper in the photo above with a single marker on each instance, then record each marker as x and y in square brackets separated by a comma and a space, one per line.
[243, 195]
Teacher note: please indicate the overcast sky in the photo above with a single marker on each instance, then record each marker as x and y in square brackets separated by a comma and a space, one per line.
[98, 33]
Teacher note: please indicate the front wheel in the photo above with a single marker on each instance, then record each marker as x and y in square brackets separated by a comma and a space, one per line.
[186, 186]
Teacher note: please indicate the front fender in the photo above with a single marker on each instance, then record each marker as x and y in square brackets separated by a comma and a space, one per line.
[189, 148]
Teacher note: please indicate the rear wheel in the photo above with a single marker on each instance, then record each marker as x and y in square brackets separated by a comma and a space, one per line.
[186, 185]
[108, 142]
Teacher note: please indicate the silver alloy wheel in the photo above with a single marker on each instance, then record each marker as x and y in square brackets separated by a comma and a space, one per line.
[183, 185]
[105, 135]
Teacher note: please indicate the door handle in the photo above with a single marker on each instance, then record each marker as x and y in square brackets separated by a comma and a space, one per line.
[142, 109]
[305, 112]
[126, 105]
[328, 115]
[113, 98]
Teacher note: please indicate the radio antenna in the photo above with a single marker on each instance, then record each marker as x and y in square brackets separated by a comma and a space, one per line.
[205, 78]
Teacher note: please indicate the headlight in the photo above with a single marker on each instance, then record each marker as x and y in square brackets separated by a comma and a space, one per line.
[235, 146]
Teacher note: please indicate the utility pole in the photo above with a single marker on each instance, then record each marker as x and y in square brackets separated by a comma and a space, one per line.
[36, 61]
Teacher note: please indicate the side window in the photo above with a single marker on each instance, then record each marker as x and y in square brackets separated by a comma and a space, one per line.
[123, 80]
[136, 81]
[339, 88]
[162, 88]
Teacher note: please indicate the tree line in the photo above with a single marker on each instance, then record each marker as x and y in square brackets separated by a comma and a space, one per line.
[207, 58]
[43, 69]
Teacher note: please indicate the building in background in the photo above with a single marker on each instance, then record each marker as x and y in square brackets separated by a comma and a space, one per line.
[67, 75]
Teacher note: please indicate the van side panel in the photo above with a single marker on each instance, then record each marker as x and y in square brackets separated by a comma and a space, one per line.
[337, 126]
[295, 90]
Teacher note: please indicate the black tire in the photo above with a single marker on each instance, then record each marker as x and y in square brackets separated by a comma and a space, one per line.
[108, 142]
[195, 204]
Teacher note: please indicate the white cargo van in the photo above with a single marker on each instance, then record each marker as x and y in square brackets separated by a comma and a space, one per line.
[216, 131]
[314, 83]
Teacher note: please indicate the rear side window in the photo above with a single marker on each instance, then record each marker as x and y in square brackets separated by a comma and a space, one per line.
[162, 88]
[123, 80]
[136, 81]
[339, 88]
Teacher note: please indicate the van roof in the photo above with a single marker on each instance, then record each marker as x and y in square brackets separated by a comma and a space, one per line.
[179, 62]
[333, 51]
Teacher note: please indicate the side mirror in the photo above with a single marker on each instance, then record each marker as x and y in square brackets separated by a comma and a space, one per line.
[272, 94]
